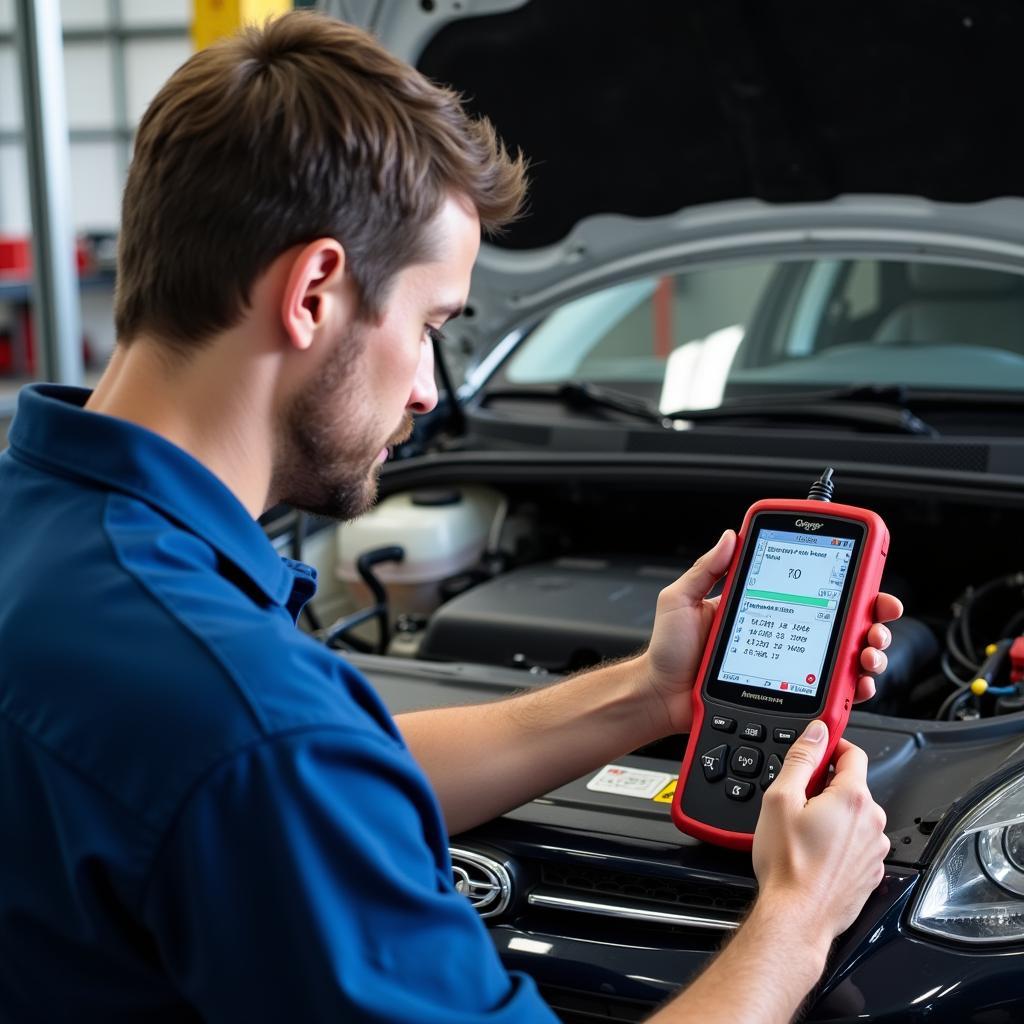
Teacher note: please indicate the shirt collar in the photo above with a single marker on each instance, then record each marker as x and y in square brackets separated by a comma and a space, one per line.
[53, 431]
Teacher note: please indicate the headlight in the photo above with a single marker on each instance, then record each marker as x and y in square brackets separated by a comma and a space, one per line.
[974, 892]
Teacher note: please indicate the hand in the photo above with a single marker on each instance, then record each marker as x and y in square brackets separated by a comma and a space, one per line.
[682, 623]
[818, 860]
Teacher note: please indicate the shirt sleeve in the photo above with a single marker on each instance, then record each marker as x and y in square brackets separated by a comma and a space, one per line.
[303, 880]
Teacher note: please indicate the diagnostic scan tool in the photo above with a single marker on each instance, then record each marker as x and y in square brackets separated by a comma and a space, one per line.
[784, 648]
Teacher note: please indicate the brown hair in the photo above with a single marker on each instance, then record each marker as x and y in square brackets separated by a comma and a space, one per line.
[303, 129]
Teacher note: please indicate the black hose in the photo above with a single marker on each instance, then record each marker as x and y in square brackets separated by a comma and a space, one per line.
[950, 705]
[378, 610]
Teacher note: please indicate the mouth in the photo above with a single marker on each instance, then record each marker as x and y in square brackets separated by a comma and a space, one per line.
[400, 436]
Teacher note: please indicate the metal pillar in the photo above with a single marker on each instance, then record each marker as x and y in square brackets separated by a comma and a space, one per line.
[55, 291]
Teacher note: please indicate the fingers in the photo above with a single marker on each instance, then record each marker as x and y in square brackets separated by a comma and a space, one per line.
[879, 636]
[702, 575]
[888, 608]
[873, 661]
[803, 759]
[851, 765]
[865, 690]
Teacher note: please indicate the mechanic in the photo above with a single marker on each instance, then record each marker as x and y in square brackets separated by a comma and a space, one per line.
[207, 814]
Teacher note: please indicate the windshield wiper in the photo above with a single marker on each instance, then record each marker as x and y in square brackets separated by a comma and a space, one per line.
[880, 408]
[870, 407]
[583, 395]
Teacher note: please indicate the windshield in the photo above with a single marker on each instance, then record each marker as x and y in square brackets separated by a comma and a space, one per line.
[692, 340]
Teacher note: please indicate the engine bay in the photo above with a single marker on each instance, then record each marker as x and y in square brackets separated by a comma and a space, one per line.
[556, 577]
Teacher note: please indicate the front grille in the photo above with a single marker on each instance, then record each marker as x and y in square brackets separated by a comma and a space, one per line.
[575, 1007]
[669, 893]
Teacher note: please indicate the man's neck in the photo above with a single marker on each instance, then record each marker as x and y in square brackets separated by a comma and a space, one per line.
[216, 405]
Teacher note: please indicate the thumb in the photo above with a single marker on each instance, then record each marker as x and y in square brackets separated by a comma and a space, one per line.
[694, 584]
[803, 758]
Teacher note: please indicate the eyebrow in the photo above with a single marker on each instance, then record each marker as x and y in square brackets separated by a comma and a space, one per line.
[448, 312]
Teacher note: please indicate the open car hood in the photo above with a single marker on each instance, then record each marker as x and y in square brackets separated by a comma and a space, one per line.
[674, 134]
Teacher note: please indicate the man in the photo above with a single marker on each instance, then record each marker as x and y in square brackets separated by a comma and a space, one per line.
[207, 815]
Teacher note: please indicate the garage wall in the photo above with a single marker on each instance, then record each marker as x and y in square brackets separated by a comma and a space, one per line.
[117, 53]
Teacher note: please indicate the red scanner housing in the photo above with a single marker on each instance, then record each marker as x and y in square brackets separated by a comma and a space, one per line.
[836, 690]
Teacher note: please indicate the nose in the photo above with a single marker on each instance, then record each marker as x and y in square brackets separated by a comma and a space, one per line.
[423, 396]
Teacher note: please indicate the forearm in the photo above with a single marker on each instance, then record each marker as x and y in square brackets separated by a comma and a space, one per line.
[761, 977]
[485, 759]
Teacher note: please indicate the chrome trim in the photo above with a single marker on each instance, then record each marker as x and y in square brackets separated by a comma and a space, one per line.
[631, 912]
[490, 891]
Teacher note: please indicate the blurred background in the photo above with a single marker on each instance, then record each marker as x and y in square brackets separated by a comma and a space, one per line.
[116, 55]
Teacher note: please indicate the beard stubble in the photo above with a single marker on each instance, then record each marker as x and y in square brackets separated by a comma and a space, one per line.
[321, 467]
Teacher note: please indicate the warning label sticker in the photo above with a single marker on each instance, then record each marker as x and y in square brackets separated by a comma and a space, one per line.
[623, 781]
[665, 796]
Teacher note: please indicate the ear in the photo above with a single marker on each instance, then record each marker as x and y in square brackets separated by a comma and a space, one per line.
[311, 292]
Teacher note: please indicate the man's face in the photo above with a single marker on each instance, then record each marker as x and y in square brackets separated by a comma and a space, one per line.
[375, 376]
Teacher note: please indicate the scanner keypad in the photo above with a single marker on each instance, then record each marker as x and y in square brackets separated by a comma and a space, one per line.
[744, 766]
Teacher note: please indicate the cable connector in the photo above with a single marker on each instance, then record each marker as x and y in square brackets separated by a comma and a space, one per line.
[822, 488]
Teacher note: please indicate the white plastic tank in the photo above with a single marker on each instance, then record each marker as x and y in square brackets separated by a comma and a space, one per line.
[444, 531]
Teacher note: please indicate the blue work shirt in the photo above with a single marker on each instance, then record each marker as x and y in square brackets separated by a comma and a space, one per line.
[205, 815]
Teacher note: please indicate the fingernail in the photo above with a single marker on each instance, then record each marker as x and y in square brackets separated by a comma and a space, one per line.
[815, 732]
[720, 539]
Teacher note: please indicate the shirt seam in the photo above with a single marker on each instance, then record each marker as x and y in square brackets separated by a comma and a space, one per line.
[79, 772]
[203, 642]
[43, 465]
[102, 481]
[242, 751]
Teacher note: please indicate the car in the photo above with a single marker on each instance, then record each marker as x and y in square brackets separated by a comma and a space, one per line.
[763, 239]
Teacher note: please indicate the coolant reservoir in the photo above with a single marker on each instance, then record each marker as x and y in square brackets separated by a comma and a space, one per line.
[444, 531]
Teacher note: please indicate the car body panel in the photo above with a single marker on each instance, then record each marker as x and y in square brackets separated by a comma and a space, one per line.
[878, 964]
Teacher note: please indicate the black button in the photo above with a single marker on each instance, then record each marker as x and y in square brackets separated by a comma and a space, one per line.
[713, 763]
[752, 731]
[723, 724]
[737, 790]
[771, 770]
[746, 761]
[784, 735]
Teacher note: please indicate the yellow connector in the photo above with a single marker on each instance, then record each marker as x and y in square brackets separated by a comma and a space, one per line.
[978, 687]
[215, 19]
[991, 649]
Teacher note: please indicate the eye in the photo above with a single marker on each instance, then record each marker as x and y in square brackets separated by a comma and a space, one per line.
[434, 334]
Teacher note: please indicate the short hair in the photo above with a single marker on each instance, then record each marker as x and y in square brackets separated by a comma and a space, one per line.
[304, 128]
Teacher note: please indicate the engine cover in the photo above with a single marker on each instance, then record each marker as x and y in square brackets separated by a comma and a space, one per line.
[561, 615]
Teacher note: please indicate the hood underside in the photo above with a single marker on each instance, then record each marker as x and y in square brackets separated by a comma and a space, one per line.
[668, 135]
[643, 109]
